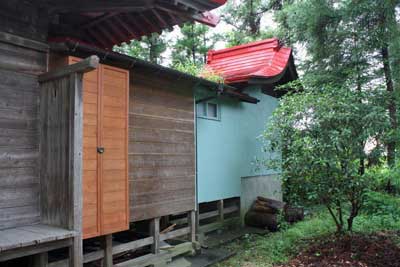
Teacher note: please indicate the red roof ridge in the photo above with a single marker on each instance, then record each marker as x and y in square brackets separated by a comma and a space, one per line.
[211, 53]
[261, 59]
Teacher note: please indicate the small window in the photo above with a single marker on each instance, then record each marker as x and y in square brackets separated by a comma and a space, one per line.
[212, 110]
[208, 110]
[201, 110]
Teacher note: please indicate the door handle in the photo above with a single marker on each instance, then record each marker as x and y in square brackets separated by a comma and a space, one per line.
[100, 150]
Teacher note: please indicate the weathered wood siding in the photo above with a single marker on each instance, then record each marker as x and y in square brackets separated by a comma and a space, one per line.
[23, 18]
[55, 151]
[19, 131]
[161, 147]
[19, 147]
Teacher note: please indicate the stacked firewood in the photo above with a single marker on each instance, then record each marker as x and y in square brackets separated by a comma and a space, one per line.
[265, 213]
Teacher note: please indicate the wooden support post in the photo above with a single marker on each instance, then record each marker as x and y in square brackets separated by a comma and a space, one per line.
[108, 253]
[155, 233]
[75, 221]
[220, 206]
[40, 260]
[200, 237]
[192, 225]
[197, 217]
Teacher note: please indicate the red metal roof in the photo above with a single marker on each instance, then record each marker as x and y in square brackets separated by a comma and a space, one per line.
[262, 59]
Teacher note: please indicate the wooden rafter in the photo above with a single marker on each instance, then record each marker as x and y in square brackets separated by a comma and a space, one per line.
[100, 6]
[172, 17]
[98, 20]
[133, 22]
[199, 6]
[114, 29]
[110, 39]
[113, 22]
[171, 11]
[97, 38]
[128, 29]
[160, 18]
[150, 23]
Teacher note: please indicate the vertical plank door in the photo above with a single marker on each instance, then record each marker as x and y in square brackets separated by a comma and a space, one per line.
[105, 175]
[114, 129]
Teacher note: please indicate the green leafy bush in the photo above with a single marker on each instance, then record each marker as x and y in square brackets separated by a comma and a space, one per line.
[380, 204]
[382, 175]
[322, 134]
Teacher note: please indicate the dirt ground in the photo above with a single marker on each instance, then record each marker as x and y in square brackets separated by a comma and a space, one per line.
[378, 250]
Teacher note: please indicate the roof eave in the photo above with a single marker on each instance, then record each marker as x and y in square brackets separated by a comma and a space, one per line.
[73, 47]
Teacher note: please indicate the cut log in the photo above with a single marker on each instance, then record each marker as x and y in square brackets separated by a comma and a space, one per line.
[262, 220]
[262, 208]
[272, 203]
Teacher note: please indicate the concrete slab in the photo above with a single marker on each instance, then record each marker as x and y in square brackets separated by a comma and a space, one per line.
[179, 262]
[222, 237]
[208, 257]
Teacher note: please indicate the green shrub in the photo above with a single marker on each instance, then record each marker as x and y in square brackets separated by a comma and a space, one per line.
[381, 175]
[376, 223]
[378, 204]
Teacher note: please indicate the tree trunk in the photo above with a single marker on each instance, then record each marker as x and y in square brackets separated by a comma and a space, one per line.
[152, 49]
[338, 223]
[355, 207]
[361, 168]
[391, 146]
[193, 45]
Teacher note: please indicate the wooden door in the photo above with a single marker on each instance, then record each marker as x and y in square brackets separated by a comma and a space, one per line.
[114, 164]
[105, 175]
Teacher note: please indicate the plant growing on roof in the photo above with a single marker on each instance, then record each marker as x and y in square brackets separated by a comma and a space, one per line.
[322, 134]
[198, 71]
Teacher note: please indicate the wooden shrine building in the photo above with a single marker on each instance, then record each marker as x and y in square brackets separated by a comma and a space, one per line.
[94, 143]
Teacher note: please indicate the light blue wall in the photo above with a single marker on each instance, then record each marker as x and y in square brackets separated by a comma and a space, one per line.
[227, 149]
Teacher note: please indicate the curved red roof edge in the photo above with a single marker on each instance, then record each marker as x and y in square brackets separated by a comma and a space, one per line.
[264, 59]
[220, 2]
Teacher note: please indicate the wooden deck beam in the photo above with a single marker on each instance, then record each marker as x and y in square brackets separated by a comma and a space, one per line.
[34, 249]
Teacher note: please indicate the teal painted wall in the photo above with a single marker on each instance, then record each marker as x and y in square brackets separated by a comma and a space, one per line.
[228, 148]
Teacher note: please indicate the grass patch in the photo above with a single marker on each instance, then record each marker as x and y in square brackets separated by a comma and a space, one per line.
[279, 247]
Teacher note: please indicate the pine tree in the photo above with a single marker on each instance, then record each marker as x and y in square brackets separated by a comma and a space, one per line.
[193, 45]
[350, 43]
[245, 18]
[149, 48]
